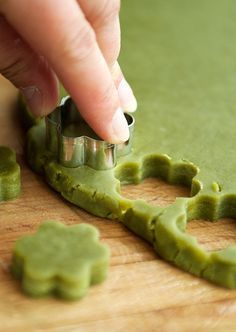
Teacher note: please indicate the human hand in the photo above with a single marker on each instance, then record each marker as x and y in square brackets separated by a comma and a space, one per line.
[77, 41]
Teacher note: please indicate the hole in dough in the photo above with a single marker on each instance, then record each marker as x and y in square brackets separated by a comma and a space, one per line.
[155, 191]
[213, 235]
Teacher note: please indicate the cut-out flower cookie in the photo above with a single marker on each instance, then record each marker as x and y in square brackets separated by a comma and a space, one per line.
[9, 174]
[59, 259]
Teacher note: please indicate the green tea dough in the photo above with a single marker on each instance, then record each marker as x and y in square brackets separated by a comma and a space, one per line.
[10, 184]
[179, 56]
[60, 259]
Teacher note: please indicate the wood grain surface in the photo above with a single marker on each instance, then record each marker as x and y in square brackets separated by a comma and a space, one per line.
[142, 292]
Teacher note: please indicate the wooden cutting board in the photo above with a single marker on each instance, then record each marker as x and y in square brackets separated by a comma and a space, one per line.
[142, 293]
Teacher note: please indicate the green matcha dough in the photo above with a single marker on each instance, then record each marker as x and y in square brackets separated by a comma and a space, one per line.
[179, 56]
[59, 259]
[10, 184]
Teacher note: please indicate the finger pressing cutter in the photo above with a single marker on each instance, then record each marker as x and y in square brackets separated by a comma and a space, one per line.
[74, 143]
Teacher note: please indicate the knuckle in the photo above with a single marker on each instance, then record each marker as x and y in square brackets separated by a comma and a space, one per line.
[107, 12]
[112, 8]
[78, 45]
[14, 61]
[12, 68]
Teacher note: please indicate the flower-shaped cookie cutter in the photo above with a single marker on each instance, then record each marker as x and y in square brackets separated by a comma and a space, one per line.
[76, 144]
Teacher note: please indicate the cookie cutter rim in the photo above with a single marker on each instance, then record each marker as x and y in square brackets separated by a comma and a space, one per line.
[74, 151]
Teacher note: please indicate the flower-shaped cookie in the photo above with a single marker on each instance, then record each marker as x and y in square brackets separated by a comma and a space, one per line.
[60, 259]
[9, 174]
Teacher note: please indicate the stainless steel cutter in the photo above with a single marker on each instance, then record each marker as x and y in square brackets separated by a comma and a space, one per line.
[74, 142]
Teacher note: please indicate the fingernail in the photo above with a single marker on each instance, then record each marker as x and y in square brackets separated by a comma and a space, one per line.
[120, 130]
[127, 99]
[33, 98]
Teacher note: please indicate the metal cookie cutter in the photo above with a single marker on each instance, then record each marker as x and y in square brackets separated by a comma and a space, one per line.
[72, 140]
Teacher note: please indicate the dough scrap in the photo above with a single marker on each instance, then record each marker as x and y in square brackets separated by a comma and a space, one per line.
[60, 259]
[10, 183]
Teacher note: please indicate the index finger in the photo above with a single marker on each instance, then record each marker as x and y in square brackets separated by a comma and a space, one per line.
[59, 31]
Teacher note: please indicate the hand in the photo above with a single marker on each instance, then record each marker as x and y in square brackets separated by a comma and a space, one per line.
[76, 41]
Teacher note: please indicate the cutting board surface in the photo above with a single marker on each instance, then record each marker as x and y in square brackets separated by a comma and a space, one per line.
[142, 292]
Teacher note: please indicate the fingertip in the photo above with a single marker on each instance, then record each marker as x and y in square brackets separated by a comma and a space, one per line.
[126, 96]
[118, 131]
[37, 101]
[125, 93]
[42, 98]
